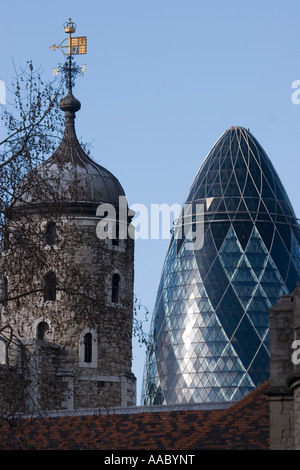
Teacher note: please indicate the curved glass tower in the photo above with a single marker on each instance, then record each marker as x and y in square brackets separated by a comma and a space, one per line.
[209, 331]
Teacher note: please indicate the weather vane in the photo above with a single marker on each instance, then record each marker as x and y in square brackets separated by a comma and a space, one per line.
[74, 46]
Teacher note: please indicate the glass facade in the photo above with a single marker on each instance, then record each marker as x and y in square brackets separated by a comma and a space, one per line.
[209, 330]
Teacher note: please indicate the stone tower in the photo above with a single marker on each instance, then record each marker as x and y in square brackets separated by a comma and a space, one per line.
[68, 293]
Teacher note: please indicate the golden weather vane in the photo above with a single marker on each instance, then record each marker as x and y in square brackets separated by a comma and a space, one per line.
[75, 46]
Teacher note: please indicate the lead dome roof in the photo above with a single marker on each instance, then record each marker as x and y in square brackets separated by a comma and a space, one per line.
[69, 175]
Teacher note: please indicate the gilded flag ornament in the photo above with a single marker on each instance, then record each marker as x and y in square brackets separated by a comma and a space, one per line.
[71, 46]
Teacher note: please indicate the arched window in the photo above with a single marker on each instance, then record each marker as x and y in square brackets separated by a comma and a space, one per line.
[115, 240]
[4, 290]
[88, 343]
[50, 233]
[42, 330]
[115, 288]
[50, 286]
[88, 348]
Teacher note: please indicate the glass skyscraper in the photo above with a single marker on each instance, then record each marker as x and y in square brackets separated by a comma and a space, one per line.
[209, 331]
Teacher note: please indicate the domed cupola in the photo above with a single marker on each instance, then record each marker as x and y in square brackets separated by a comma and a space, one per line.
[69, 176]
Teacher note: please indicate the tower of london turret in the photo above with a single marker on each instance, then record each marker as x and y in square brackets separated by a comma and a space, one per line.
[68, 292]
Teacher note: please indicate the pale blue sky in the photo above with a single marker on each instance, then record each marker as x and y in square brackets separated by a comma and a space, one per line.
[164, 79]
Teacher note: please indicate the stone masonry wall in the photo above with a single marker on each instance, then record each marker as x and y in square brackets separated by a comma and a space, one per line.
[284, 392]
[84, 266]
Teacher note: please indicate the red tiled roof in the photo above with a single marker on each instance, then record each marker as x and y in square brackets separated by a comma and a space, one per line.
[244, 425]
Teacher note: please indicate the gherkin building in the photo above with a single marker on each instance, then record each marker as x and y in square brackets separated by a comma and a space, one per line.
[209, 330]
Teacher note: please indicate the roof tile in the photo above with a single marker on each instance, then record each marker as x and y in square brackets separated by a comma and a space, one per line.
[244, 425]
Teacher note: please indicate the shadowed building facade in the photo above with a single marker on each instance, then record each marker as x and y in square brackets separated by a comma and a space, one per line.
[209, 331]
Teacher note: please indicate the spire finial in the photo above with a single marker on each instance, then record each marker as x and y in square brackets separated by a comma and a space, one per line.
[75, 46]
